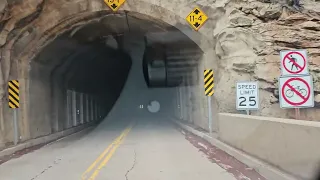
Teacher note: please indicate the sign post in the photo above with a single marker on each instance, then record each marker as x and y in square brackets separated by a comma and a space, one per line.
[247, 96]
[209, 91]
[295, 83]
[13, 91]
[15, 127]
[297, 113]
[180, 102]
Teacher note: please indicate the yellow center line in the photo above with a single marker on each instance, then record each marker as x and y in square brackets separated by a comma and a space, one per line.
[84, 175]
[114, 145]
[108, 157]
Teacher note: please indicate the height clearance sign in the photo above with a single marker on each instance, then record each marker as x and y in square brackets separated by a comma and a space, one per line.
[247, 96]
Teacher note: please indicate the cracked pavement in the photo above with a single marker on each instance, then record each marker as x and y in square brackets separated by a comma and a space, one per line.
[153, 149]
[134, 163]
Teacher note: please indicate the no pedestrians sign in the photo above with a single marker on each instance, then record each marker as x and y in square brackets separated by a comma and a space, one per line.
[294, 63]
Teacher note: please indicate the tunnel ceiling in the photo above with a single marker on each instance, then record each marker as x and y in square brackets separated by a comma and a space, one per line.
[117, 25]
[85, 48]
[171, 59]
[96, 32]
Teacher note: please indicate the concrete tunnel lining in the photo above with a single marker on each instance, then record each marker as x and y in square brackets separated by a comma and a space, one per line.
[77, 70]
[65, 64]
[45, 21]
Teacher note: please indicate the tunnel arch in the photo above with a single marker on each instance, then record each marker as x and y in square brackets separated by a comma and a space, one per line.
[90, 11]
[50, 24]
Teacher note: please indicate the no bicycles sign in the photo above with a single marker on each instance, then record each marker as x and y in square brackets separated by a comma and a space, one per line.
[296, 92]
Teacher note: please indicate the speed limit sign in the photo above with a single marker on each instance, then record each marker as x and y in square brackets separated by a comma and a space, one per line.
[247, 96]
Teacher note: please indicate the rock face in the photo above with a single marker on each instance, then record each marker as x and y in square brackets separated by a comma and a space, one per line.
[248, 49]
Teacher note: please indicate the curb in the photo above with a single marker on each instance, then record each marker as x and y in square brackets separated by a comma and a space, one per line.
[47, 139]
[266, 170]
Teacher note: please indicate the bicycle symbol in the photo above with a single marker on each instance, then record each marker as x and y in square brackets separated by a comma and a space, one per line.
[290, 93]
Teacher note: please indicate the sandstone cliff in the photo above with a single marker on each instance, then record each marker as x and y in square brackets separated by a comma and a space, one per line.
[248, 43]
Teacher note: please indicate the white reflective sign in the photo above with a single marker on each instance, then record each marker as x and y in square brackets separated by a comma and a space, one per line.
[247, 96]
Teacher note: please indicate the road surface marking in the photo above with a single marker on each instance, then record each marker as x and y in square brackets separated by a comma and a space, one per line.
[84, 175]
[108, 157]
[114, 146]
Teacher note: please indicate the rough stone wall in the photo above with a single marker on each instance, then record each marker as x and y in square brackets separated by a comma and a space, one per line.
[248, 44]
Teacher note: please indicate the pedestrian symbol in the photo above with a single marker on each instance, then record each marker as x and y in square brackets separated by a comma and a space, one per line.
[294, 63]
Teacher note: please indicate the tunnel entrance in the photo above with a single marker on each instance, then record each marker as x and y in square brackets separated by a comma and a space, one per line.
[108, 67]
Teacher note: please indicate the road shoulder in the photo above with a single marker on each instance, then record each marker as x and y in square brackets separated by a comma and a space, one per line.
[239, 160]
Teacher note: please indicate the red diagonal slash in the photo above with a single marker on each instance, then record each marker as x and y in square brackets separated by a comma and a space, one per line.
[296, 64]
[298, 93]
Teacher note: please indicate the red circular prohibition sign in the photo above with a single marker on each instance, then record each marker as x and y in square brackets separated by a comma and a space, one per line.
[297, 65]
[305, 99]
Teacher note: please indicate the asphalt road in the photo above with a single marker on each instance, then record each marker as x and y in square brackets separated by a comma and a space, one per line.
[122, 149]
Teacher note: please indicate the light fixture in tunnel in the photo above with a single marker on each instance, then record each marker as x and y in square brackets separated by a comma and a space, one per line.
[154, 106]
[170, 60]
[111, 42]
[154, 67]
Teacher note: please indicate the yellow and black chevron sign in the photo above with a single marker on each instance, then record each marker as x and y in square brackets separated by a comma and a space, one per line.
[13, 90]
[208, 82]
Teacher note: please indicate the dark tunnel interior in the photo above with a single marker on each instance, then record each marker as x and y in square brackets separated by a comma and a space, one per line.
[93, 63]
